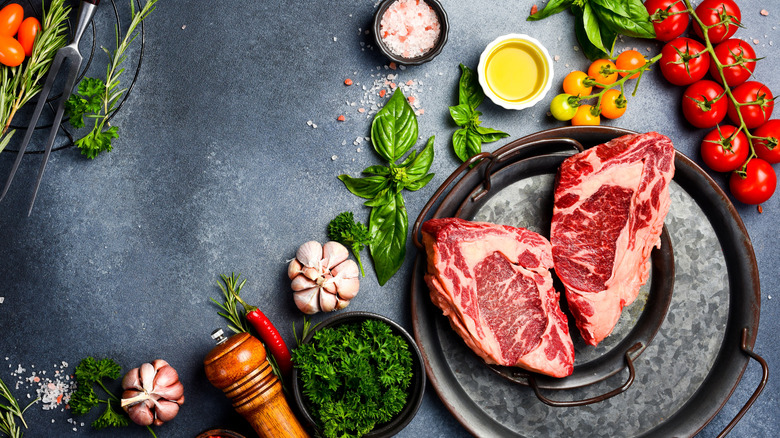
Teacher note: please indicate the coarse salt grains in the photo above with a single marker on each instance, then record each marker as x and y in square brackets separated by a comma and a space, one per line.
[410, 28]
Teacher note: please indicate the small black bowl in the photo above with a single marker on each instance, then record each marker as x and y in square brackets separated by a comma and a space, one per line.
[416, 386]
[427, 56]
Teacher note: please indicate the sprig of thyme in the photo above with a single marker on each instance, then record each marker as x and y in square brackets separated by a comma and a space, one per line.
[22, 83]
[97, 98]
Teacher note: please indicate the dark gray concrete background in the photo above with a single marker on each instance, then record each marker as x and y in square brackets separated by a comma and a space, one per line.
[216, 170]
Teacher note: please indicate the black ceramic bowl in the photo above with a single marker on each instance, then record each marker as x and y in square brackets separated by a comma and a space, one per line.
[415, 390]
[427, 56]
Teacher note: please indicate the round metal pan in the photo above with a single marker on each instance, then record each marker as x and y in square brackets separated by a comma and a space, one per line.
[683, 378]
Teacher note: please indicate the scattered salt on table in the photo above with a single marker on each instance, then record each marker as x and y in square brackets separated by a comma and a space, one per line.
[410, 28]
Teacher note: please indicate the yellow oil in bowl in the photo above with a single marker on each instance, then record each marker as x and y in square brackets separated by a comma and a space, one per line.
[515, 71]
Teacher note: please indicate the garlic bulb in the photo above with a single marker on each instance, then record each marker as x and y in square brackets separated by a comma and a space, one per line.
[153, 393]
[323, 277]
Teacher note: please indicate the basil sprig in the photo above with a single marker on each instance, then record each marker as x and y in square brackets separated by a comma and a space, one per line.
[598, 22]
[393, 133]
[467, 141]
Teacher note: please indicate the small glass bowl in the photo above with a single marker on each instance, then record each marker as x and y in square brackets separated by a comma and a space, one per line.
[427, 56]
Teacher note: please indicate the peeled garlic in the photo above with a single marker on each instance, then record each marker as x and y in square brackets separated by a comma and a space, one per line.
[323, 277]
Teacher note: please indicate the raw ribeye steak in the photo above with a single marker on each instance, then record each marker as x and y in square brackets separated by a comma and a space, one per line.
[494, 284]
[610, 205]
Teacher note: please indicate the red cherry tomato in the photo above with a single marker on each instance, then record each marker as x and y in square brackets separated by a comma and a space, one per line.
[734, 51]
[755, 114]
[10, 19]
[758, 184]
[11, 52]
[684, 61]
[704, 104]
[27, 32]
[630, 60]
[768, 150]
[668, 18]
[725, 149]
[711, 12]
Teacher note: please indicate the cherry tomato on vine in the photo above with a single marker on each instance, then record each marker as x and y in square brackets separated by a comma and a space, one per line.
[613, 104]
[756, 113]
[725, 149]
[704, 104]
[11, 52]
[585, 116]
[574, 84]
[768, 150]
[630, 60]
[562, 107]
[712, 12]
[684, 61]
[669, 17]
[758, 184]
[10, 18]
[734, 51]
[599, 65]
[27, 32]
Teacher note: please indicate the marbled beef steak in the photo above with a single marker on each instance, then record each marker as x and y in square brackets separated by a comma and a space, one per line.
[494, 284]
[610, 205]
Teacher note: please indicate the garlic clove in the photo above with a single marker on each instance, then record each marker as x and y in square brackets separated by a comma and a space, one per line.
[165, 410]
[333, 253]
[141, 414]
[347, 288]
[132, 380]
[311, 273]
[294, 268]
[172, 392]
[329, 285]
[307, 300]
[300, 283]
[310, 254]
[166, 376]
[328, 302]
[147, 373]
[341, 304]
[346, 269]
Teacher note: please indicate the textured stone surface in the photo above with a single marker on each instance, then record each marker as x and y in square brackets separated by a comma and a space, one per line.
[216, 170]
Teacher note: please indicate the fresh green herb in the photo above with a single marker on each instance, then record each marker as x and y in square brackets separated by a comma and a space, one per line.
[22, 83]
[90, 372]
[307, 328]
[355, 376]
[467, 141]
[393, 133]
[344, 229]
[597, 23]
[11, 411]
[97, 98]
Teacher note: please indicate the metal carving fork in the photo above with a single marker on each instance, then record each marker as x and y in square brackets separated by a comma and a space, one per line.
[69, 53]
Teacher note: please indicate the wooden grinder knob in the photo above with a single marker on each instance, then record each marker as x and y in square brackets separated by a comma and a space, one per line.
[238, 367]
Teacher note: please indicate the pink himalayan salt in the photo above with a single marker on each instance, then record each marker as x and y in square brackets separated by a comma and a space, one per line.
[410, 28]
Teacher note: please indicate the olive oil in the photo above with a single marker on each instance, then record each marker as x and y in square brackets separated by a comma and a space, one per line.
[515, 71]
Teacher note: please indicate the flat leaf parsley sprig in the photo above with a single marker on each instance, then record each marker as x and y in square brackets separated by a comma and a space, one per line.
[97, 98]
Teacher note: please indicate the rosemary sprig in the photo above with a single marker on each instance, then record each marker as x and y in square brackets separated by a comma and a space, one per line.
[22, 83]
[97, 98]
[230, 308]
[9, 413]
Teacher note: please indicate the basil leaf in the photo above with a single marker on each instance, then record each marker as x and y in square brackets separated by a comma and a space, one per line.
[459, 143]
[616, 6]
[421, 164]
[420, 183]
[553, 7]
[467, 142]
[592, 52]
[394, 129]
[469, 91]
[367, 187]
[377, 170]
[490, 135]
[461, 114]
[592, 27]
[388, 225]
[637, 26]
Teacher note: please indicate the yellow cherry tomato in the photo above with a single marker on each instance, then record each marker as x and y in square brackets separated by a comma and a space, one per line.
[574, 84]
[585, 116]
[613, 104]
[598, 68]
[630, 60]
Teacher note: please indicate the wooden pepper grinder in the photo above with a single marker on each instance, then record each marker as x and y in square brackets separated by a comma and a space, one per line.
[238, 366]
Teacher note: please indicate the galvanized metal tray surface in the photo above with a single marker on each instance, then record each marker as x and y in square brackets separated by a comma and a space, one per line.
[683, 377]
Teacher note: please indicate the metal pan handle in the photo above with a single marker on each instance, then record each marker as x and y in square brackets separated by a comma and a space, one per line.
[764, 378]
[637, 348]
